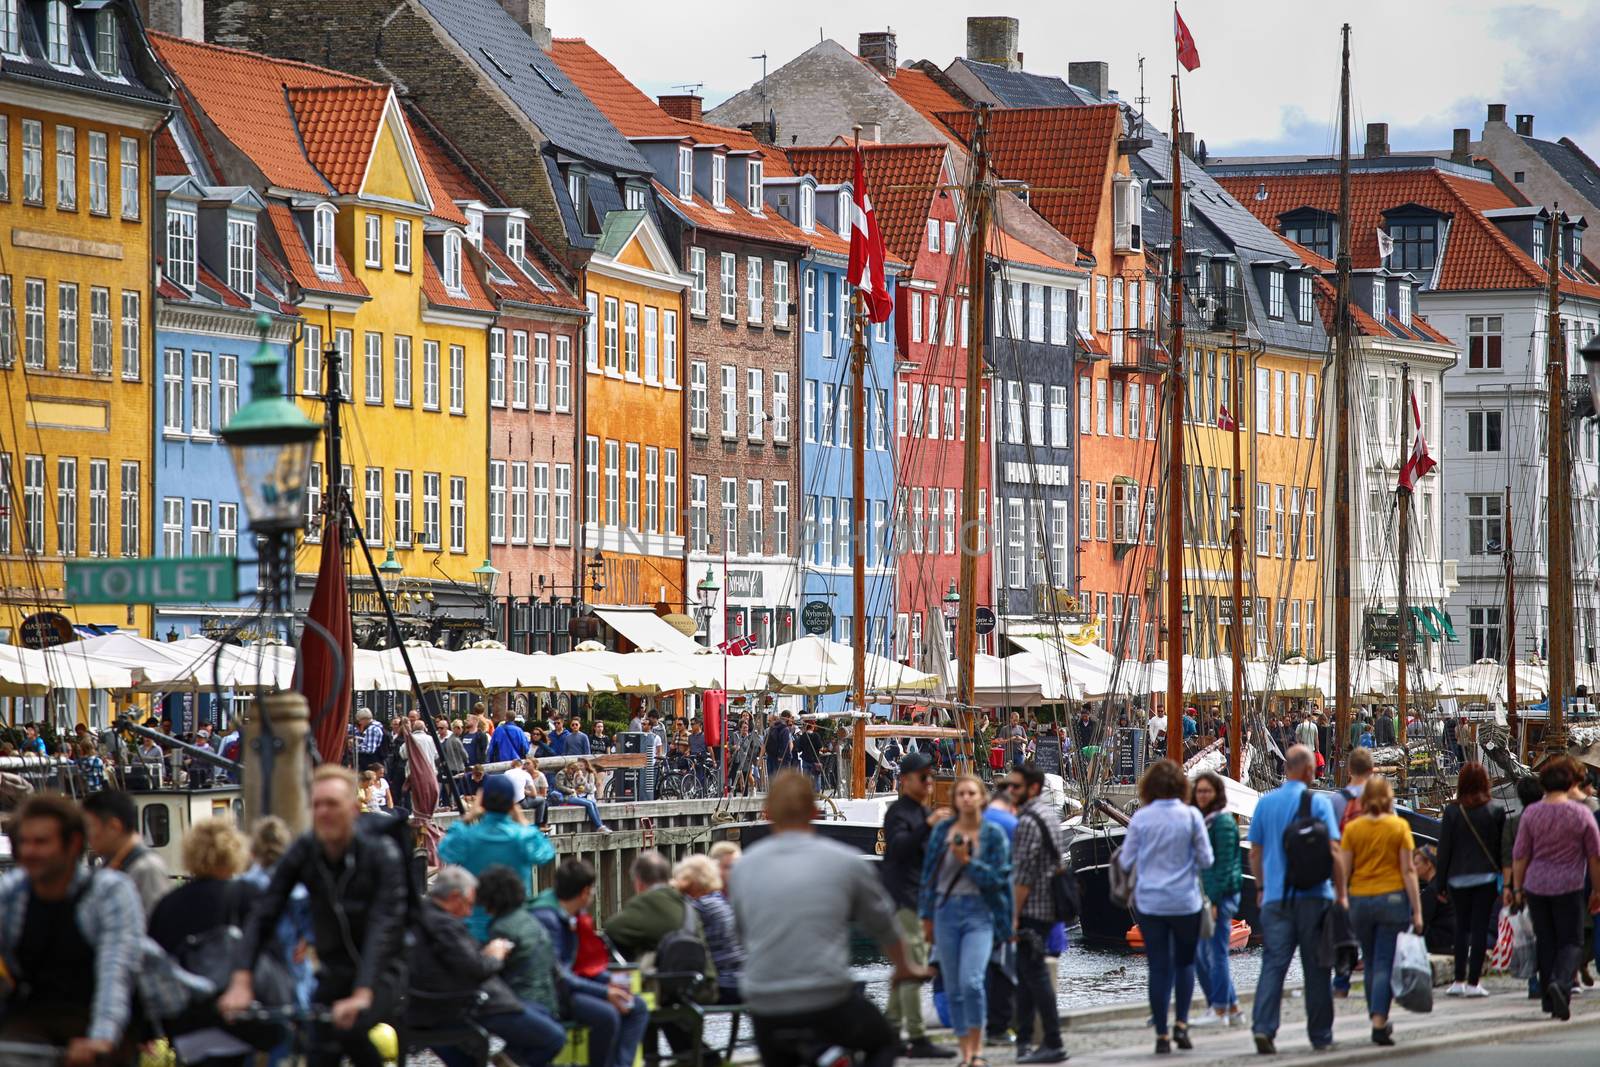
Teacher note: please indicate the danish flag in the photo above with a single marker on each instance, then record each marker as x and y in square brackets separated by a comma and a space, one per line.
[867, 256]
[1419, 463]
[1224, 419]
[1188, 54]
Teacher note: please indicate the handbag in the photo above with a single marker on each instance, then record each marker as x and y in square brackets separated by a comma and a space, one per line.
[1499, 879]
[1121, 882]
[1066, 900]
[1208, 921]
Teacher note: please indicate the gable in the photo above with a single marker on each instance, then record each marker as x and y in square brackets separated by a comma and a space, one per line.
[635, 255]
[393, 171]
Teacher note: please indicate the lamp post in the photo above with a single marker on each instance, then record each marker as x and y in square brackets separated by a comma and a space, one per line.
[271, 444]
[485, 578]
[707, 591]
[389, 572]
[952, 606]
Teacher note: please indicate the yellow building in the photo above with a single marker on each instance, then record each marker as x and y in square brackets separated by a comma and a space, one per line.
[388, 282]
[79, 103]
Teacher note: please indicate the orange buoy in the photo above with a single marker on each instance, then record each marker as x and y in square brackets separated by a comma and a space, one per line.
[1238, 936]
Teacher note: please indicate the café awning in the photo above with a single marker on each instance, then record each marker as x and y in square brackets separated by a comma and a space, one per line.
[644, 629]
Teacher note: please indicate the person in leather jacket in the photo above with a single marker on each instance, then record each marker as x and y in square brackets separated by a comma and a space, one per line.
[357, 887]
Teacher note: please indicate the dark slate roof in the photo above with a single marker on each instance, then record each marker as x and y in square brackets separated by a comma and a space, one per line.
[132, 87]
[1567, 160]
[522, 70]
[1018, 88]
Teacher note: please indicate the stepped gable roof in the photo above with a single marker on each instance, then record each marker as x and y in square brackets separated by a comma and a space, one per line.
[534, 81]
[1365, 324]
[1061, 152]
[1477, 254]
[902, 180]
[921, 91]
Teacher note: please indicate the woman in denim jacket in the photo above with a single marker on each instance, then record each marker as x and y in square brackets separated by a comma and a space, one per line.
[965, 905]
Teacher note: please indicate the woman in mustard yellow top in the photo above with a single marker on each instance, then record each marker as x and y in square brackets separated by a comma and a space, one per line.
[1383, 891]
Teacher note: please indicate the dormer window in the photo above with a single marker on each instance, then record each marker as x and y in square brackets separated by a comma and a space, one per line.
[1303, 301]
[1415, 244]
[10, 28]
[1127, 210]
[1575, 240]
[633, 198]
[1380, 298]
[845, 211]
[1312, 228]
[685, 172]
[754, 176]
[58, 33]
[452, 261]
[1404, 311]
[105, 41]
[475, 228]
[578, 193]
[242, 257]
[516, 239]
[808, 208]
[1538, 242]
[180, 245]
[719, 181]
[1275, 293]
[322, 241]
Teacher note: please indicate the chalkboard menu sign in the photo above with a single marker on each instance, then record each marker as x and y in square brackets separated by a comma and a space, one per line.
[1130, 753]
[1047, 755]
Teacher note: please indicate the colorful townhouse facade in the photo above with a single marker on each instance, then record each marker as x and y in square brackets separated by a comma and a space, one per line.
[80, 100]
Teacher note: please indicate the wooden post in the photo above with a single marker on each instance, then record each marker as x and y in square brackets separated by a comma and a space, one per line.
[1175, 492]
[1403, 600]
[1341, 461]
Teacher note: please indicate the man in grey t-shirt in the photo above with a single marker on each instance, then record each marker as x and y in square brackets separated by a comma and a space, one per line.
[801, 1011]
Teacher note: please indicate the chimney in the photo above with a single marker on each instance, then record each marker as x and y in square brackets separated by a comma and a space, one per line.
[1525, 125]
[1497, 113]
[681, 106]
[1461, 148]
[1094, 76]
[1377, 140]
[530, 16]
[1186, 143]
[181, 18]
[878, 48]
[993, 40]
[765, 131]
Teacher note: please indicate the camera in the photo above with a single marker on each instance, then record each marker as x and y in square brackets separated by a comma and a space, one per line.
[959, 839]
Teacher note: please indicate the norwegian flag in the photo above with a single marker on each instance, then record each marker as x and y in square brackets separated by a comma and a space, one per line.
[736, 646]
[1188, 54]
[1224, 418]
[1419, 463]
[867, 255]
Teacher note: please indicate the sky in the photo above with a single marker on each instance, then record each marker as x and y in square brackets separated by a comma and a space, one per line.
[1268, 80]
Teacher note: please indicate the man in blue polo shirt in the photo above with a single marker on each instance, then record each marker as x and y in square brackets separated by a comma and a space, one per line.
[1292, 918]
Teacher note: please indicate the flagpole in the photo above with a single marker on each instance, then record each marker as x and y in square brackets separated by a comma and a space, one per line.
[858, 548]
[1403, 598]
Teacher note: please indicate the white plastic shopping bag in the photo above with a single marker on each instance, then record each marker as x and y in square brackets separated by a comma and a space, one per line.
[1412, 980]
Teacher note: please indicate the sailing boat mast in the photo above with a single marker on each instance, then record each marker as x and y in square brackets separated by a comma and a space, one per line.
[1174, 610]
[1403, 599]
[1513, 727]
[1341, 462]
[972, 415]
[1559, 661]
[1236, 542]
[858, 546]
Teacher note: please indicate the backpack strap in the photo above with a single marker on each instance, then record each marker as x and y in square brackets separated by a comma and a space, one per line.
[1303, 812]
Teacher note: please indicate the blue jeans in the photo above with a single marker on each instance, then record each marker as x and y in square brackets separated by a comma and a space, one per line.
[963, 935]
[1287, 925]
[588, 805]
[613, 1037]
[1378, 921]
[1169, 943]
[1211, 958]
[531, 1035]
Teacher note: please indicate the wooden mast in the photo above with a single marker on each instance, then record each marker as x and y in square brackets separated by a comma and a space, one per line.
[1174, 608]
[1403, 599]
[858, 547]
[1341, 462]
[1559, 567]
[972, 416]
[1513, 727]
[1236, 541]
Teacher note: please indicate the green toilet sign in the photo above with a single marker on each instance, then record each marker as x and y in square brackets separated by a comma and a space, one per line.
[185, 580]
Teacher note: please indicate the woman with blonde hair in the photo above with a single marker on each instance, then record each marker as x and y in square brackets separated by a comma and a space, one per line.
[699, 879]
[1384, 895]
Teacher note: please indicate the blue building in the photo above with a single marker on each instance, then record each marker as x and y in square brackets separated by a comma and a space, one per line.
[213, 285]
[826, 469]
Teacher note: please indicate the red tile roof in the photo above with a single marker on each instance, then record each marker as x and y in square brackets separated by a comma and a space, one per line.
[736, 221]
[339, 125]
[901, 178]
[918, 89]
[1061, 152]
[622, 103]
[1365, 324]
[220, 287]
[298, 258]
[522, 288]
[473, 298]
[169, 158]
[1477, 255]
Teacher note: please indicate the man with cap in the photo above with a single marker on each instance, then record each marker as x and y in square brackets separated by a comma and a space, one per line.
[906, 825]
[493, 831]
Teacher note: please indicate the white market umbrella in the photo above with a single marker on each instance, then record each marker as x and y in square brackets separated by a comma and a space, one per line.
[647, 671]
[813, 666]
[30, 672]
[212, 665]
[998, 683]
[715, 670]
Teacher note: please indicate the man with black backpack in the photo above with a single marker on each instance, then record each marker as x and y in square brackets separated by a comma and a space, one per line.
[1038, 851]
[1299, 874]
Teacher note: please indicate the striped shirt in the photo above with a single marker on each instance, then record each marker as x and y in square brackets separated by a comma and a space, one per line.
[370, 740]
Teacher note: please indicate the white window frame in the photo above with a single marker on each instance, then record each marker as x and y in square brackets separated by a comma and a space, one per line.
[374, 240]
[402, 245]
[755, 297]
[322, 256]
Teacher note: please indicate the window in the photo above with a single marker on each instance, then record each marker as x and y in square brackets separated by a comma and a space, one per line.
[780, 408]
[200, 393]
[1100, 406]
[458, 380]
[313, 504]
[458, 514]
[1100, 507]
[372, 499]
[1275, 293]
[1116, 408]
[808, 208]
[729, 399]
[452, 261]
[66, 168]
[562, 500]
[699, 402]
[128, 160]
[200, 527]
[100, 330]
[780, 293]
[916, 316]
[430, 375]
[242, 257]
[1293, 398]
[430, 510]
[99, 173]
[613, 483]
[652, 494]
[1483, 524]
[129, 501]
[322, 240]
[1036, 412]
[591, 479]
[1303, 308]
[67, 327]
[611, 327]
[1263, 519]
[497, 368]
[630, 340]
[669, 349]
[172, 526]
[58, 28]
[563, 389]
[132, 347]
[402, 370]
[1485, 633]
[67, 506]
[755, 302]
[810, 309]
[1036, 309]
[541, 371]
[374, 239]
[729, 282]
[754, 197]
[1483, 431]
[1277, 402]
[685, 173]
[32, 161]
[697, 512]
[227, 542]
[402, 245]
[1403, 311]
[519, 503]
[33, 323]
[652, 344]
[497, 502]
[1016, 543]
[10, 28]
[1099, 303]
[1309, 518]
[752, 507]
[755, 413]
[697, 270]
[719, 181]
[7, 330]
[1483, 342]
[402, 509]
[180, 265]
[372, 364]
[1280, 528]
[1133, 408]
[1415, 245]
[631, 487]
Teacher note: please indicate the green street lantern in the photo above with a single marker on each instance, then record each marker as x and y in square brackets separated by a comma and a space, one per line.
[390, 571]
[271, 443]
[952, 601]
[708, 590]
[484, 578]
